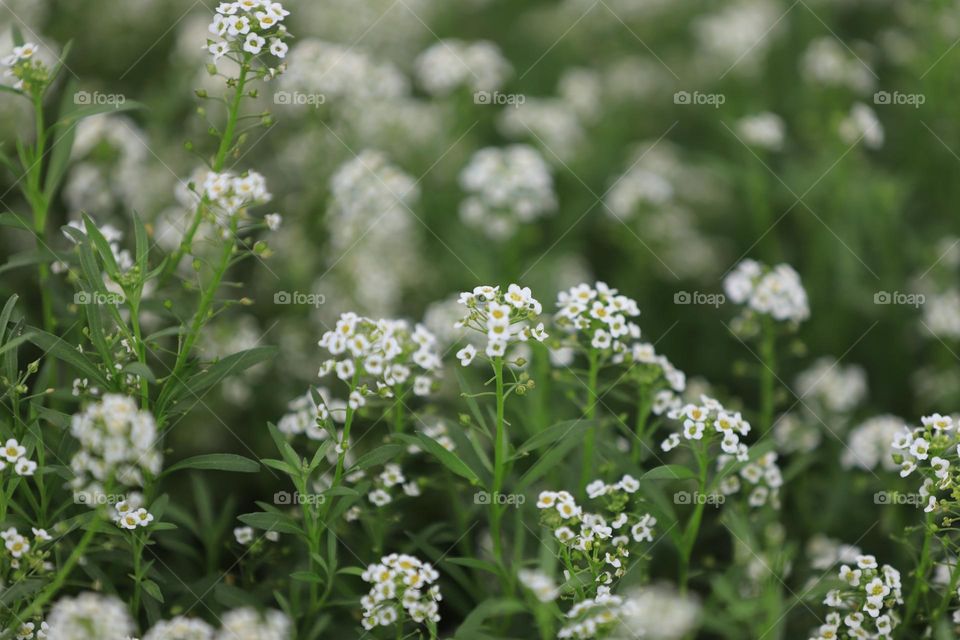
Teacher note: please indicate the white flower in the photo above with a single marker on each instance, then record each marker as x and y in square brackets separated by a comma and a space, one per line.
[278, 48]
[243, 535]
[506, 187]
[254, 43]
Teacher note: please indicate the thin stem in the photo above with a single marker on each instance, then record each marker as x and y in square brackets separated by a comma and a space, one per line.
[920, 575]
[693, 525]
[203, 310]
[590, 412]
[141, 354]
[643, 414]
[499, 469]
[219, 160]
[768, 354]
[39, 204]
[36, 606]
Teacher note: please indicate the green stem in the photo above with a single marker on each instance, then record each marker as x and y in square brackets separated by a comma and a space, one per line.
[644, 402]
[141, 353]
[37, 604]
[767, 374]
[693, 525]
[206, 301]
[219, 160]
[920, 575]
[40, 206]
[586, 469]
[499, 471]
[137, 547]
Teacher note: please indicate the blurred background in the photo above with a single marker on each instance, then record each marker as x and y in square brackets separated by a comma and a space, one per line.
[670, 139]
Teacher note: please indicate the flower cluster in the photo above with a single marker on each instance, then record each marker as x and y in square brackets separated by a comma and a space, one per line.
[776, 291]
[14, 453]
[504, 318]
[453, 63]
[23, 64]
[929, 450]
[837, 388]
[539, 583]
[342, 74]
[305, 416]
[231, 193]
[249, 624]
[372, 231]
[180, 628]
[703, 423]
[593, 539]
[239, 624]
[117, 445]
[870, 444]
[391, 476]
[384, 352]
[864, 605]
[246, 27]
[506, 187]
[90, 615]
[29, 631]
[18, 547]
[128, 514]
[656, 373]
[593, 617]
[598, 317]
[401, 583]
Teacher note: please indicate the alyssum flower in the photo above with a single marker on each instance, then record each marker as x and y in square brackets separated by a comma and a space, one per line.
[775, 291]
[597, 317]
[117, 445]
[401, 587]
[503, 318]
[248, 28]
[864, 605]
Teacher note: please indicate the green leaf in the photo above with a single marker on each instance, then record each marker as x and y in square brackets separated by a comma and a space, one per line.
[475, 563]
[377, 456]
[572, 429]
[142, 370]
[76, 115]
[669, 472]
[446, 458]
[153, 589]
[142, 244]
[217, 462]
[11, 219]
[103, 247]
[28, 259]
[493, 608]
[266, 521]
[549, 460]
[181, 391]
[64, 351]
[306, 576]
